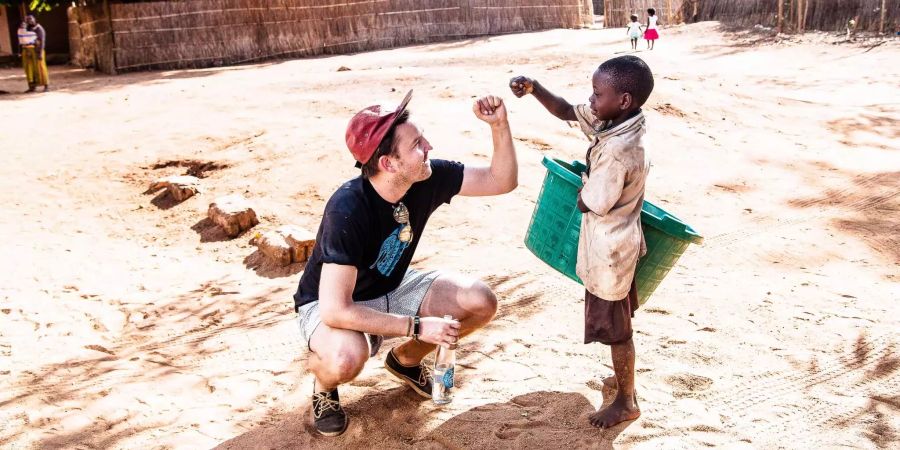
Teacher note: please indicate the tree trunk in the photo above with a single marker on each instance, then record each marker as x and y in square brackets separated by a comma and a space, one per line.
[605, 13]
[883, 12]
[780, 16]
[805, 12]
[790, 18]
[112, 35]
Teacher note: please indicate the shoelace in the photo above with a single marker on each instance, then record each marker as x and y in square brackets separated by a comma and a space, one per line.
[424, 375]
[323, 402]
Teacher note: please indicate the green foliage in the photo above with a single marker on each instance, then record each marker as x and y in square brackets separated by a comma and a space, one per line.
[39, 5]
[34, 5]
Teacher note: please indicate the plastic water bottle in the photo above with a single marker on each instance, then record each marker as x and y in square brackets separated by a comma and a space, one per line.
[442, 381]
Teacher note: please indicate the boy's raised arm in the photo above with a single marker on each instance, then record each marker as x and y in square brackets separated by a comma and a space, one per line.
[558, 106]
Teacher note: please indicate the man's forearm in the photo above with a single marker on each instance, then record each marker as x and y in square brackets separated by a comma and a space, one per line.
[367, 320]
[557, 106]
[504, 167]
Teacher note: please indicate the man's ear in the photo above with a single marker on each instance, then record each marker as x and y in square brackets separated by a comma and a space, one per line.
[386, 164]
[625, 101]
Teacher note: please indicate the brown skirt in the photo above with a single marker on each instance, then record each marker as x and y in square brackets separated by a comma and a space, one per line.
[609, 322]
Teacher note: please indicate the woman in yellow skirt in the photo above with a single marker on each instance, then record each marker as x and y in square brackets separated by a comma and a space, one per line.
[32, 38]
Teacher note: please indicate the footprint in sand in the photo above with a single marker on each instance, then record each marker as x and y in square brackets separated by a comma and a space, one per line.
[685, 384]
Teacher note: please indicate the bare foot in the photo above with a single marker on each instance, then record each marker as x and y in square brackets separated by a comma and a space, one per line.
[610, 383]
[614, 414]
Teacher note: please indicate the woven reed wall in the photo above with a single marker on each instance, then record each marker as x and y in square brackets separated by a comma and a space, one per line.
[825, 15]
[618, 12]
[204, 33]
[90, 38]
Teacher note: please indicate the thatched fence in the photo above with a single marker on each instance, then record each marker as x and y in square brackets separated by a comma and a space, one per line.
[796, 15]
[91, 38]
[617, 12]
[115, 37]
[799, 15]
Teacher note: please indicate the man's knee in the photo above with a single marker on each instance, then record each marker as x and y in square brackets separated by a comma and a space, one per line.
[348, 362]
[340, 355]
[482, 301]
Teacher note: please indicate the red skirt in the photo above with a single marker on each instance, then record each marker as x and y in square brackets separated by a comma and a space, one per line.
[651, 35]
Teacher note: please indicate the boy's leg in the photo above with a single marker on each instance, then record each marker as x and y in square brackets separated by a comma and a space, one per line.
[624, 406]
[609, 322]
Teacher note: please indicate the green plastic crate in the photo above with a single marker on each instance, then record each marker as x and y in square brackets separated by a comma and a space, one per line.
[556, 223]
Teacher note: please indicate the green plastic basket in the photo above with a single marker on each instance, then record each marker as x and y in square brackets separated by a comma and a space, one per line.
[556, 223]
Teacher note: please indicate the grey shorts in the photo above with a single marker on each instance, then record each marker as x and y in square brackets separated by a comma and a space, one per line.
[405, 300]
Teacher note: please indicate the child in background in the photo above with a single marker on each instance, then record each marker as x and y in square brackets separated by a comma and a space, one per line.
[634, 31]
[651, 35]
[611, 239]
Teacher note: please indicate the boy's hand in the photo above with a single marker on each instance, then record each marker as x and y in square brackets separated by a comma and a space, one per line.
[581, 206]
[521, 86]
[490, 109]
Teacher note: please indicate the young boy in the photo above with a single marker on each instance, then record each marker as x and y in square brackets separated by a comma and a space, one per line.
[611, 239]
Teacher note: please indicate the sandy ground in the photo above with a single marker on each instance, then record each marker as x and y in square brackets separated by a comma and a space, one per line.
[128, 321]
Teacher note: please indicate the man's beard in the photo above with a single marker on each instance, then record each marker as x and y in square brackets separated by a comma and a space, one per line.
[423, 173]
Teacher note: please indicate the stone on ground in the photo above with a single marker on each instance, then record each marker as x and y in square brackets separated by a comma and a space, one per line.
[180, 187]
[233, 213]
[285, 245]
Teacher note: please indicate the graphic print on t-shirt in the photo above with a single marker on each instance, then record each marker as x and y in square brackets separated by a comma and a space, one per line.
[391, 250]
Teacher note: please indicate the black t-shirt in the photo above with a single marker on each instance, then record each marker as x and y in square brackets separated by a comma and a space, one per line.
[358, 229]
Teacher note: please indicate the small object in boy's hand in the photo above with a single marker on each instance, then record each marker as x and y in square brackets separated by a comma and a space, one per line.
[521, 85]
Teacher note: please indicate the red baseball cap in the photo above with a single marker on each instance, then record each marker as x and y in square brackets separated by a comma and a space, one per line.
[367, 128]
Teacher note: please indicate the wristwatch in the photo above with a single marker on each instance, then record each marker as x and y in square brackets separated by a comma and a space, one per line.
[416, 328]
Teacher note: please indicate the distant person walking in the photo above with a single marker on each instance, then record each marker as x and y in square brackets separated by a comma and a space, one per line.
[32, 40]
[651, 35]
[634, 31]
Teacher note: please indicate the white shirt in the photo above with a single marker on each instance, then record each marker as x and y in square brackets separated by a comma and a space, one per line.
[634, 27]
[653, 20]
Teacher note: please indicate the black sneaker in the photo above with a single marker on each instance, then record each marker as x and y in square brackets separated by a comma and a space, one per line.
[328, 415]
[417, 377]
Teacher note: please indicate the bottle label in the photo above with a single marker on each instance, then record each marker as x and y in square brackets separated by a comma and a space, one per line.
[448, 378]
